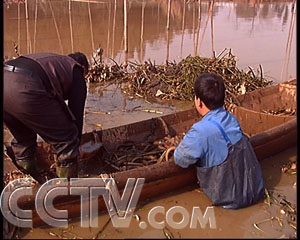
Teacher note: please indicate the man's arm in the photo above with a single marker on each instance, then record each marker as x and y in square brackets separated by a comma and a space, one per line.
[77, 97]
[190, 150]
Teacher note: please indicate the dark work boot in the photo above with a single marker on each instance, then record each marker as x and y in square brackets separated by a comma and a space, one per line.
[68, 171]
[27, 166]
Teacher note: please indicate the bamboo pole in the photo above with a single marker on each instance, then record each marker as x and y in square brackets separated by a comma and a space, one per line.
[291, 29]
[125, 27]
[142, 30]
[56, 27]
[124, 103]
[19, 28]
[27, 27]
[212, 32]
[182, 28]
[71, 25]
[194, 25]
[35, 24]
[114, 29]
[208, 15]
[252, 25]
[168, 30]
[158, 14]
[108, 29]
[168, 45]
[198, 28]
[169, 13]
[91, 27]
[284, 72]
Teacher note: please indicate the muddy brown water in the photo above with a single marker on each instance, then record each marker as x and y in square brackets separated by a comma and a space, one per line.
[258, 32]
[229, 223]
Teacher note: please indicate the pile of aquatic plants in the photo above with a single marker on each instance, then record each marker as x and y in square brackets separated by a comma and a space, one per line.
[175, 80]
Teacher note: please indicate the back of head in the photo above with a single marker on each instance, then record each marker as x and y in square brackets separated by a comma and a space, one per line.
[81, 59]
[210, 88]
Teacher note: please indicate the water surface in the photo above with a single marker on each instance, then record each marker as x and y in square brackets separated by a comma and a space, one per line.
[257, 32]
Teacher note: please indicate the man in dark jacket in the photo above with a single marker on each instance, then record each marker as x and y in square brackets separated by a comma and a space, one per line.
[35, 89]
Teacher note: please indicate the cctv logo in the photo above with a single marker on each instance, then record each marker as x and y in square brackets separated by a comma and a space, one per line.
[119, 208]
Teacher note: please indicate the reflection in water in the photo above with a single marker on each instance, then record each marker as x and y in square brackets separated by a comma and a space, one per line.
[158, 29]
[56, 28]
[142, 29]
[71, 26]
[114, 27]
[210, 12]
[168, 30]
[125, 29]
[284, 73]
[91, 24]
[182, 29]
[198, 28]
[35, 22]
[27, 28]
[212, 32]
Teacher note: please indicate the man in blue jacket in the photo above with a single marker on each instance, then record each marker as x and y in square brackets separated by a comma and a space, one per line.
[227, 168]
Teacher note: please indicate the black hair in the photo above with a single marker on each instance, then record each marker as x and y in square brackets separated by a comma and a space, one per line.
[81, 59]
[210, 88]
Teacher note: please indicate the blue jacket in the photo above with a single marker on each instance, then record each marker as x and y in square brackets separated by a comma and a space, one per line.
[227, 168]
[204, 144]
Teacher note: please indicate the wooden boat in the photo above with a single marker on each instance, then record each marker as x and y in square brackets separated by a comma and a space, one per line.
[269, 134]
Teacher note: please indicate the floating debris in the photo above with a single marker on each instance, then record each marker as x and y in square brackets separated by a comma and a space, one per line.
[280, 112]
[287, 204]
[151, 111]
[54, 234]
[279, 220]
[102, 113]
[268, 200]
[290, 168]
[167, 233]
[176, 80]
[293, 225]
[198, 190]
[282, 211]
[287, 211]
[255, 225]
[137, 217]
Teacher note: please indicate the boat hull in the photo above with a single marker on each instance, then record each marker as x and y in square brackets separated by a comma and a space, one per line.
[272, 137]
